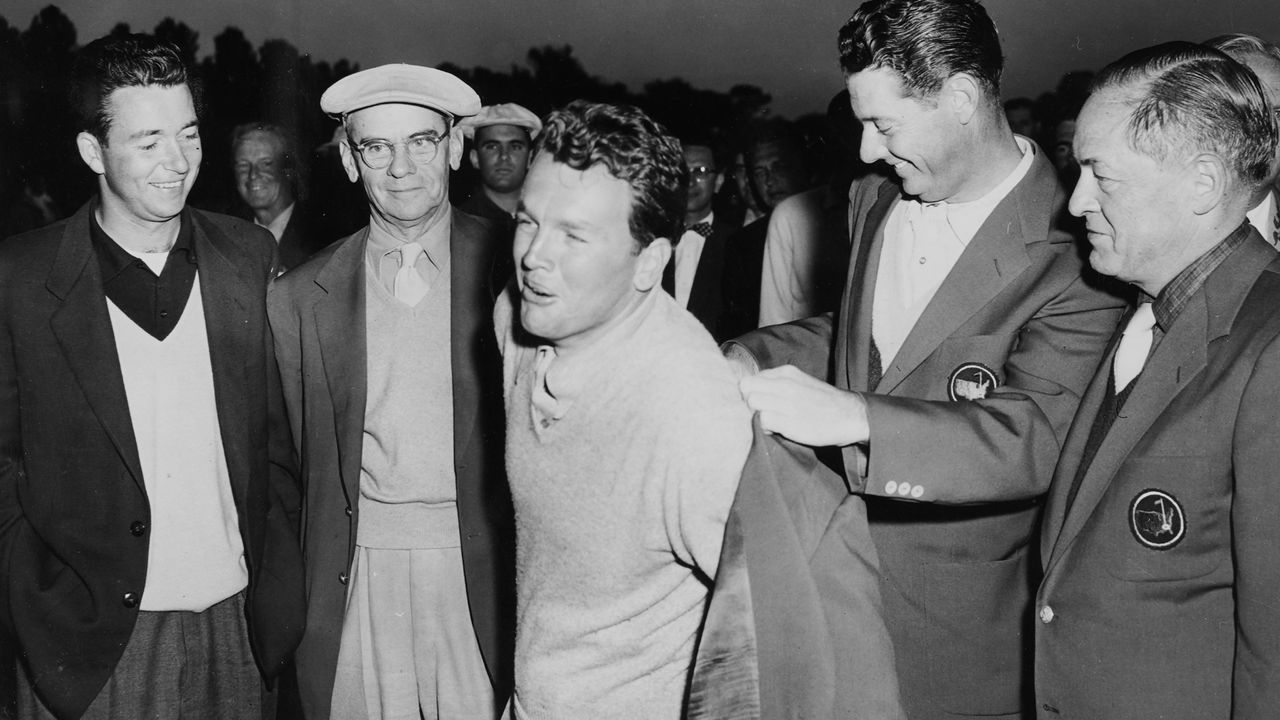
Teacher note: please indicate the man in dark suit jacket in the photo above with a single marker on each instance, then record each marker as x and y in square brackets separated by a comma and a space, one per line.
[777, 170]
[692, 276]
[949, 421]
[395, 401]
[265, 159]
[148, 496]
[1160, 544]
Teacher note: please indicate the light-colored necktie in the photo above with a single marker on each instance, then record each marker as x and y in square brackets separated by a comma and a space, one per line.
[409, 286]
[1135, 344]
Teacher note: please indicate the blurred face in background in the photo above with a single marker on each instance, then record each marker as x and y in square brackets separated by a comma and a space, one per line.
[261, 177]
[776, 172]
[704, 180]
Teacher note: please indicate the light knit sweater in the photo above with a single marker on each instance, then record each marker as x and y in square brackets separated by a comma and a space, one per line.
[620, 510]
[408, 487]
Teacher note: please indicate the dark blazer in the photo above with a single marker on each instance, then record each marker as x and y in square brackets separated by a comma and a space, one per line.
[504, 233]
[740, 280]
[794, 628]
[318, 316]
[957, 565]
[301, 239]
[705, 300]
[1174, 618]
[73, 506]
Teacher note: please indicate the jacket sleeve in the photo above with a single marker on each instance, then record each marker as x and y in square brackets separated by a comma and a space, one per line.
[1003, 447]
[11, 465]
[804, 343]
[1256, 544]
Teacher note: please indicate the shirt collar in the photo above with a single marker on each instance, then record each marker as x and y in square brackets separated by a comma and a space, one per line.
[277, 226]
[113, 259]
[1173, 297]
[435, 242]
[966, 218]
[568, 375]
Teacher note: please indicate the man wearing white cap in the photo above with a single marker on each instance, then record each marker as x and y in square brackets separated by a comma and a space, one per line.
[393, 387]
[502, 137]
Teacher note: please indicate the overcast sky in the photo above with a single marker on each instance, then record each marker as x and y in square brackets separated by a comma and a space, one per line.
[787, 48]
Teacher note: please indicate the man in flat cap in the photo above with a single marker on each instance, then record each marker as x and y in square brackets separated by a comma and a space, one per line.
[393, 387]
[502, 137]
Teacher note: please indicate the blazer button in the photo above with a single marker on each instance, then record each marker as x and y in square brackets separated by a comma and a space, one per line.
[342, 578]
[1046, 614]
[348, 511]
[138, 528]
[130, 600]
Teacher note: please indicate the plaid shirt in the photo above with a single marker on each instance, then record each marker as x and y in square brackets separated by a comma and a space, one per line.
[1175, 296]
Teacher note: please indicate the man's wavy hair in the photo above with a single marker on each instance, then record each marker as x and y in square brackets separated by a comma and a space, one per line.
[1186, 98]
[633, 148]
[925, 42]
[119, 61]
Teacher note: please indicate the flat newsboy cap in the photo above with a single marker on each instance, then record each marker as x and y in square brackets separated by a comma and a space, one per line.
[504, 114]
[401, 83]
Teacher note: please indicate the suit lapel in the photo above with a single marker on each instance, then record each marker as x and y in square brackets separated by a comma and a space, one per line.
[83, 329]
[852, 368]
[339, 311]
[233, 338]
[1077, 437]
[1179, 358]
[1181, 355]
[995, 256]
[467, 298]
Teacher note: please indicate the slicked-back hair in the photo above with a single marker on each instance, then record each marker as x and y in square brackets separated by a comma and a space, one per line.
[633, 148]
[1240, 45]
[925, 42]
[113, 62]
[1186, 99]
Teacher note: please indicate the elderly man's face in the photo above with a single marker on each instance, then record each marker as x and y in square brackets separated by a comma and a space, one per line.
[1135, 208]
[579, 268]
[406, 193]
[502, 156]
[152, 154]
[260, 172]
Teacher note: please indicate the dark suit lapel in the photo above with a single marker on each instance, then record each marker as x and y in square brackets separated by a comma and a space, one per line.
[852, 368]
[339, 310]
[995, 256]
[83, 329]
[467, 298]
[1180, 357]
[224, 285]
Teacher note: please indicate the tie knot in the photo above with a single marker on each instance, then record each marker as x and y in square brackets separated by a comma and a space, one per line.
[409, 254]
[702, 228]
[1143, 320]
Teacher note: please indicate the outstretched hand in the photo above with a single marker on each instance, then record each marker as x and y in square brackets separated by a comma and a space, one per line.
[804, 409]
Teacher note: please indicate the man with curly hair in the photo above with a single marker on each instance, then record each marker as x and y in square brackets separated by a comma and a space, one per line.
[626, 434]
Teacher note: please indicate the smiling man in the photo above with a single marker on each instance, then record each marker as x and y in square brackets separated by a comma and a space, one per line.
[394, 394]
[967, 333]
[148, 499]
[1160, 542]
[265, 164]
[626, 435]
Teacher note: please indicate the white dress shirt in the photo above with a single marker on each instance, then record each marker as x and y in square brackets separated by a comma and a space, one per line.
[922, 242]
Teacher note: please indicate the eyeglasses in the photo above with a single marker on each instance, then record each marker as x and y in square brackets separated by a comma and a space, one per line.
[378, 154]
[701, 172]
